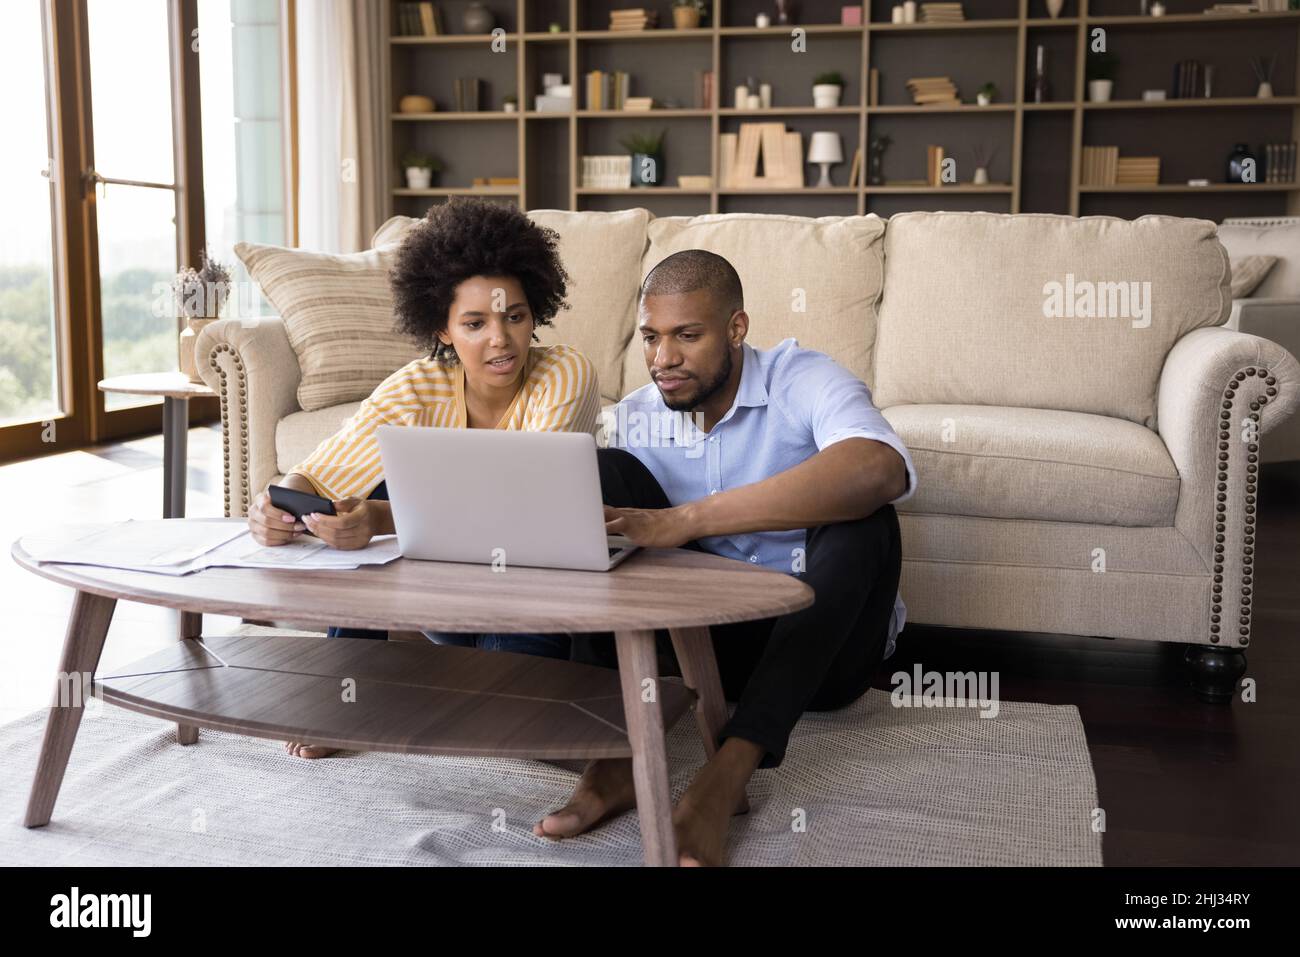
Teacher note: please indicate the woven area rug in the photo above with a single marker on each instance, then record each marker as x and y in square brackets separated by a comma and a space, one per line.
[871, 784]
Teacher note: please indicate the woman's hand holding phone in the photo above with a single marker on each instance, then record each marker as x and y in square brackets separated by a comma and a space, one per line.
[357, 521]
[271, 526]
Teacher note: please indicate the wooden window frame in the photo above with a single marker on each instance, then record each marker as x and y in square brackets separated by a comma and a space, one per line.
[78, 317]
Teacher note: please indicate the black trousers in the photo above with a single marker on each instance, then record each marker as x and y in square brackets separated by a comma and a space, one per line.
[818, 659]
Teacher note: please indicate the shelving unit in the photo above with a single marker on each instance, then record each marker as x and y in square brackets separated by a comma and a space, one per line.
[1038, 146]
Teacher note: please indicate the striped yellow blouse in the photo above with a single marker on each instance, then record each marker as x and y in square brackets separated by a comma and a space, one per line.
[558, 394]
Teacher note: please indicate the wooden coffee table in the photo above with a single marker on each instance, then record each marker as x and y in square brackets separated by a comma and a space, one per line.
[411, 698]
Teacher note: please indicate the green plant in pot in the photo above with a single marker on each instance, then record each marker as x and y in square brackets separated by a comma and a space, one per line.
[421, 169]
[827, 88]
[687, 14]
[647, 157]
[985, 94]
[1101, 75]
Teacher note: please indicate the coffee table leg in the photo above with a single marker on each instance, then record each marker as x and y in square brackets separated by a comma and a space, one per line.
[191, 627]
[637, 662]
[82, 644]
[694, 649]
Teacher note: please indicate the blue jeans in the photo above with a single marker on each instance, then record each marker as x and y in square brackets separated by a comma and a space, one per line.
[547, 646]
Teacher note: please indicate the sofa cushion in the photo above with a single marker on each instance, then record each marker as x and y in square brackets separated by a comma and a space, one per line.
[1034, 310]
[1282, 241]
[297, 435]
[601, 252]
[817, 280]
[1248, 272]
[338, 314]
[1013, 463]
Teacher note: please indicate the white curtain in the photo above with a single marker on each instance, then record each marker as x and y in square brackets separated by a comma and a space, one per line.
[341, 162]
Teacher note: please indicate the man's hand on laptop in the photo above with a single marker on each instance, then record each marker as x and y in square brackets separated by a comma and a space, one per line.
[649, 527]
[356, 523]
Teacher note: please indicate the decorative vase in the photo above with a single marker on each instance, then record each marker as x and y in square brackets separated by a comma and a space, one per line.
[686, 18]
[1265, 90]
[185, 346]
[983, 99]
[762, 21]
[1099, 90]
[1237, 164]
[981, 177]
[875, 168]
[418, 177]
[784, 12]
[1054, 8]
[647, 170]
[826, 95]
[478, 19]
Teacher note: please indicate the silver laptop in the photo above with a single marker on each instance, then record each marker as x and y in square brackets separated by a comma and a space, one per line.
[498, 497]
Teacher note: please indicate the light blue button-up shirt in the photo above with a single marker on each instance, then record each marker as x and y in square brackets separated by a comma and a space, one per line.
[791, 404]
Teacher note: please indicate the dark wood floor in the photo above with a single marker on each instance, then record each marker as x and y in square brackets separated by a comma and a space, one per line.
[1181, 782]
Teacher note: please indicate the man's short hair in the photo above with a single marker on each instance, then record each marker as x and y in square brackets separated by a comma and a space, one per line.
[693, 269]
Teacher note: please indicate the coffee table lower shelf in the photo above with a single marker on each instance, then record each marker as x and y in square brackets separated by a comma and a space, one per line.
[402, 697]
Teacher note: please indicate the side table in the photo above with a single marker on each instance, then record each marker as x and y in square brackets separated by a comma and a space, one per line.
[176, 390]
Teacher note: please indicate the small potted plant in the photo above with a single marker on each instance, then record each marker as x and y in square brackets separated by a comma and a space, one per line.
[647, 157]
[1101, 76]
[687, 14]
[984, 95]
[510, 102]
[827, 88]
[420, 169]
[199, 295]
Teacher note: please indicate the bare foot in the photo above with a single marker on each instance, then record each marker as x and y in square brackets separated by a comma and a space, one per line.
[298, 749]
[701, 817]
[604, 790]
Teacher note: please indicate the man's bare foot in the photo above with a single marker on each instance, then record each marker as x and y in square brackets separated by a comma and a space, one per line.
[298, 749]
[605, 789]
[701, 817]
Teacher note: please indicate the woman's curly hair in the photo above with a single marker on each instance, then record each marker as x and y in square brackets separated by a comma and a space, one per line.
[467, 237]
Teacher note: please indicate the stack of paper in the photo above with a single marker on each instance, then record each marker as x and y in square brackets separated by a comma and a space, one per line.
[179, 546]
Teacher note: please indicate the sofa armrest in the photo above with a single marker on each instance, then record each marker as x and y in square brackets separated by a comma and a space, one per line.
[254, 371]
[1220, 392]
[1276, 319]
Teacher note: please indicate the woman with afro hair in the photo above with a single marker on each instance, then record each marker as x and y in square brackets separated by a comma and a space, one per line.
[471, 283]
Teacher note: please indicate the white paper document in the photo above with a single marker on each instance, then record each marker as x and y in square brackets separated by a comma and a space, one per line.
[181, 546]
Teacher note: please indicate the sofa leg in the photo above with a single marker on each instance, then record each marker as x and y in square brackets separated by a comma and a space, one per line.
[1215, 671]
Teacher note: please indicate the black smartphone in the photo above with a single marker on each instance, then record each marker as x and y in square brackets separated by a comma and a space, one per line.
[298, 503]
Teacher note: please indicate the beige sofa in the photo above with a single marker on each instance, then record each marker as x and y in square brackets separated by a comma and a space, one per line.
[1082, 470]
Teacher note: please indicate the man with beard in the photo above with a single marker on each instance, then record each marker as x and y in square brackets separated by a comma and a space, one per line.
[779, 458]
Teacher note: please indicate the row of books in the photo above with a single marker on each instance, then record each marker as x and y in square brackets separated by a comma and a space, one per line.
[467, 93]
[1187, 80]
[606, 91]
[1103, 166]
[1100, 166]
[1279, 162]
[932, 90]
[934, 157]
[606, 172]
[418, 20]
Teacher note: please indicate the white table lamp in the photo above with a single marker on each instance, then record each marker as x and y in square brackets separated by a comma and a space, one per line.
[825, 149]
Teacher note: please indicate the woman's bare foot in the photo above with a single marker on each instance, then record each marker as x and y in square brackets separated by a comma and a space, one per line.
[605, 789]
[298, 749]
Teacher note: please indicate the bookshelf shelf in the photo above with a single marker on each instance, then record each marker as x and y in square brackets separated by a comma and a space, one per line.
[1037, 147]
